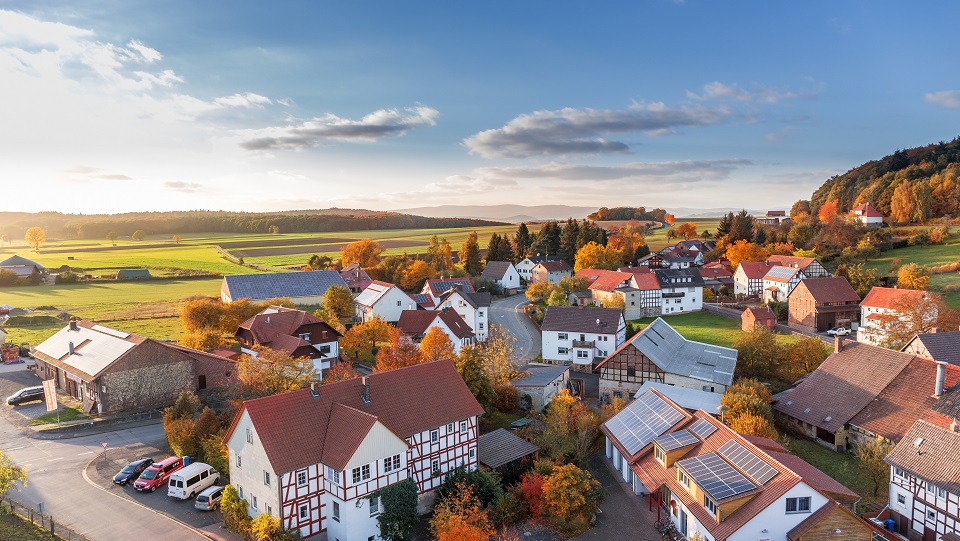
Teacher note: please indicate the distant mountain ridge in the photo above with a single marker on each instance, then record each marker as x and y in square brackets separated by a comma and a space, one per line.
[540, 213]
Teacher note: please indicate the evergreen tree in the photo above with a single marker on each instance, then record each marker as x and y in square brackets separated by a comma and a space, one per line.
[761, 236]
[642, 250]
[548, 240]
[724, 226]
[590, 232]
[741, 227]
[568, 240]
[470, 255]
[521, 243]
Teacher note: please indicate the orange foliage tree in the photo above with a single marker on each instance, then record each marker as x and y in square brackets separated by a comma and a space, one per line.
[828, 211]
[400, 353]
[364, 337]
[272, 372]
[669, 218]
[742, 250]
[364, 252]
[341, 371]
[687, 230]
[570, 496]
[436, 345]
[459, 517]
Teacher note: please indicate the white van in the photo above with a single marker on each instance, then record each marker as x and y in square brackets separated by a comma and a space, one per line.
[188, 481]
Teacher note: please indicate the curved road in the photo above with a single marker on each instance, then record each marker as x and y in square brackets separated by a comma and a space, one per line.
[508, 313]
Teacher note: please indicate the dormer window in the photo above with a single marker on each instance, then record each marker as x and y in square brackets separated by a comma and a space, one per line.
[658, 452]
[305, 336]
[683, 478]
[709, 504]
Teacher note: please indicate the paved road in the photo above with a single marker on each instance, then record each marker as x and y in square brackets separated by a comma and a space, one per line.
[508, 312]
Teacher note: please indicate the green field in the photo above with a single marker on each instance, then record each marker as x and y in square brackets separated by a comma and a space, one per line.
[707, 328]
[658, 238]
[928, 256]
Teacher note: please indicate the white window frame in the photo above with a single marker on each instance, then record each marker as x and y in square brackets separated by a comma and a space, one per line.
[301, 478]
[266, 477]
[562, 336]
[797, 507]
[333, 475]
[239, 461]
[253, 501]
[374, 506]
[304, 511]
[336, 511]
[463, 427]
[249, 435]
[435, 466]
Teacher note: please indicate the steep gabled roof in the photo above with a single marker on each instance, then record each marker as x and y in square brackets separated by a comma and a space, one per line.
[761, 314]
[605, 280]
[295, 428]
[781, 274]
[373, 293]
[930, 452]
[791, 261]
[438, 286]
[646, 281]
[284, 284]
[891, 297]
[554, 266]
[574, 319]
[755, 270]
[942, 346]
[866, 209]
[416, 322]
[276, 322]
[496, 270]
[835, 289]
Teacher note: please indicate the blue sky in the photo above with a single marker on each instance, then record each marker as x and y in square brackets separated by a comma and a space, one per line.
[128, 106]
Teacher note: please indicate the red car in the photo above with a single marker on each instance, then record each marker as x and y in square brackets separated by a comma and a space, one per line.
[158, 472]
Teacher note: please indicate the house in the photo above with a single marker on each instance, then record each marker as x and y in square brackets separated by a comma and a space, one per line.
[312, 458]
[293, 332]
[422, 301]
[679, 257]
[681, 290]
[688, 399]
[748, 278]
[819, 304]
[773, 217]
[384, 300]
[832, 518]
[810, 266]
[925, 482]
[503, 273]
[715, 276]
[615, 289]
[652, 261]
[541, 383]
[862, 392]
[134, 274]
[867, 215]
[111, 371]
[415, 323]
[435, 288]
[581, 336]
[660, 354]
[881, 308]
[302, 288]
[696, 245]
[550, 271]
[580, 298]
[501, 448]
[779, 282]
[22, 266]
[525, 267]
[356, 278]
[474, 308]
[641, 296]
[937, 345]
[708, 480]
[758, 317]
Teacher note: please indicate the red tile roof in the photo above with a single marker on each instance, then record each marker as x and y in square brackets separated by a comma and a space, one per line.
[934, 459]
[835, 289]
[294, 427]
[553, 266]
[416, 322]
[715, 272]
[605, 280]
[764, 443]
[890, 297]
[814, 477]
[761, 314]
[866, 209]
[646, 281]
[791, 261]
[265, 327]
[755, 270]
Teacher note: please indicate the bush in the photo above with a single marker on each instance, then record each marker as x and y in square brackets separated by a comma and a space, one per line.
[234, 512]
[507, 509]
[570, 496]
[506, 398]
[485, 485]
[67, 277]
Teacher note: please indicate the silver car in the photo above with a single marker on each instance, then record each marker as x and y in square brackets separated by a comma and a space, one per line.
[209, 499]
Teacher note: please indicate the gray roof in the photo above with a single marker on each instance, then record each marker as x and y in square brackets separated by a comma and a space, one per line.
[17, 261]
[540, 375]
[930, 453]
[665, 276]
[781, 274]
[674, 354]
[943, 346]
[573, 319]
[502, 447]
[691, 399]
[130, 274]
[285, 284]
[496, 269]
[480, 300]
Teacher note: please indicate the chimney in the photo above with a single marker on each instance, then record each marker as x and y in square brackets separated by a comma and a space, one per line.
[268, 320]
[70, 345]
[73, 324]
[933, 330]
[954, 427]
[365, 392]
[314, 390]
[837, 344]
[941, 375]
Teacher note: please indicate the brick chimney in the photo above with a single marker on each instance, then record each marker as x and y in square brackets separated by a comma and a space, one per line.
[933, 330]
[314, 389]
[365, 391]
[941, 376]
[837, 343]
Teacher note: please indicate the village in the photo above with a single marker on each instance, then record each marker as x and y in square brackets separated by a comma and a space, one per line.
[542, 388]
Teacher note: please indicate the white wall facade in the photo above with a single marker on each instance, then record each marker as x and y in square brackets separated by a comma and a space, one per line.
[474, 316]
[388, 306]
[559, 347]
[247, 474]
[687, 299]
[510, 279]
[775, 518]
[525, 268]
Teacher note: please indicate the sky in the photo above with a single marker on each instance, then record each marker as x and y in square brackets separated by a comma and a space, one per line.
[110, 107]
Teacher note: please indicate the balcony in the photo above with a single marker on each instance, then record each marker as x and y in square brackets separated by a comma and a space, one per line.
[584, 344]
[673, 295]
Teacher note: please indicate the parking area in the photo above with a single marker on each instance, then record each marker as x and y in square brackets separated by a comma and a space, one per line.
[14, 377]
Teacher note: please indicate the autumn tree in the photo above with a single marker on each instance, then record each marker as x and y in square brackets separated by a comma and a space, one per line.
[901, 204]
[570, 429]
[570, 496]
[500, 355]
[801, 357]
[11, 475]
[669, 218]
[339, 301]
[749, 424]
[540, 291]
[871, 454]
[469, 255]
[35, 237]
[341, 371]
[917, 315]
[743, 250]
[399, 353]
[573, 284]
[364, 337]
[112, 236]
[861, 279]
[364, 252]
[470, 365]
[320, 262]
[270, 372]
[557, 298]
[913, 276]
[459, 517]
[747, 408]
[800, 208]
[828, 211]
[596, 256]
[687, 230]
[139, 235]
[415, 274]
[758, 353]
[439, 254]
[176, 238]
[436, 345]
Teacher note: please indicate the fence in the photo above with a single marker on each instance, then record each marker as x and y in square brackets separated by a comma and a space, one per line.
[51, 530]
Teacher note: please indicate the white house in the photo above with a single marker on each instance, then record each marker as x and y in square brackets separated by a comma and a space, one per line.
[294, 332]
[779, 282]
[581, 336]
[384, 300]
[681, 290]
[867, 215]
[415, 324]
[311, 458]
[810, 266]
[473, 308]
[748, 278]
[638, 292]
[525, 267]
[435, 288]
[881, 308]
[550, 271]
[503, 273]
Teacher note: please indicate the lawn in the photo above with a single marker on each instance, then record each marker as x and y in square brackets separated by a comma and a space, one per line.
[65, 415]
[14, 527]
[706, 327]
[841, 466]
[928, 256]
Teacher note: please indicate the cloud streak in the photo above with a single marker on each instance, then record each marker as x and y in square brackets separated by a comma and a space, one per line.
[949, 99]
[571, 131]
[717, 91]
[376, 125]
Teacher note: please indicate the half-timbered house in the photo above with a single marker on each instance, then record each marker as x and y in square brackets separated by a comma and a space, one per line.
[312, 458]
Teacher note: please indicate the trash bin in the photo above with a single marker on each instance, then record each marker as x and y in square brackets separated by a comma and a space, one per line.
[188, 459]
[890, 524]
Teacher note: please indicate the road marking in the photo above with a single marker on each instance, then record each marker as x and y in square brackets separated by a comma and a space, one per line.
[43, 443]
[52, 459]
[17, 448]
[87, 453]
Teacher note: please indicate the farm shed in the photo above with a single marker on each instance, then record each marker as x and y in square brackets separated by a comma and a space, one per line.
[502, 447]
[542, 383]
[133, 274]
[21, 265]
[300, 287]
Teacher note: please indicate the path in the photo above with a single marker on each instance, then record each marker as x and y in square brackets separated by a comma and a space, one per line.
[508, 313]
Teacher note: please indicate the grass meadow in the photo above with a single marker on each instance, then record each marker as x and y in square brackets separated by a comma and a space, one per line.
[928, 256]
[705, 327]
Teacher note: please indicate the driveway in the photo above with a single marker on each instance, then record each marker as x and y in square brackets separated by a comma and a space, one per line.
[624, 516]
[508, 313]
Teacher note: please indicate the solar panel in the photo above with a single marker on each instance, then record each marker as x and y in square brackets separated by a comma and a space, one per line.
[676, 440]
[702, 428]
[749, 463]
[642, 420]
[715, 476]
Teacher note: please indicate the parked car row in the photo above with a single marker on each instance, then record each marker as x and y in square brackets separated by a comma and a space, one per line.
[183, 482]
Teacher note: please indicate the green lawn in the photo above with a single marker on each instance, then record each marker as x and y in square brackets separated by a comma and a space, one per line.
[14, 527]
[706, 327]
[66, 414]
[841, 466]
[928, 256]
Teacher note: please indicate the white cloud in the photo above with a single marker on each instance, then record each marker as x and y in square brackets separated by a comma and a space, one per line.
[571, 131]
[148, 54]
[946, 98]
[86, 173]
[647, 173]
[181, 186]
[717, 91]
[247, 99]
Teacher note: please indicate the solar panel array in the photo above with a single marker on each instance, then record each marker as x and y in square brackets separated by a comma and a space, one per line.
[676, 440]
[702, 428]
[715, 476]
[642, 420]
[747, 462]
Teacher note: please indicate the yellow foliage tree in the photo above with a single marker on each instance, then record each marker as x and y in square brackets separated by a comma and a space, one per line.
[540, 291]
[339, 301]
[570, 496]
[742, 250]
[35, 237]
[364, 252]
[459, 517]
[363, 337]
[415, 274]
[271, 372]
[500, 355]
[687, 230]
[596, 256]
[913, 276]
[754, 425]
[436, 345]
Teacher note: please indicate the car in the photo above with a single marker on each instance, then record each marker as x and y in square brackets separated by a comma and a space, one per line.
[209, 499]
[157, 474]
[839, 331]
[27, 394]
[132, 470]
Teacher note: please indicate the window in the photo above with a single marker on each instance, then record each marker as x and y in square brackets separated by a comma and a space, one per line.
[473, 453]
[877, 537]
[582, 354]
[336, 511]
[301, 478]
[931, 515]
[238, 460]
[480, 324]
[240, 492]
[941, 493]
[202, 382]
[266, 478]
[249, 436]
[449, 428]
[304, 510]
[435, 466]
[269, 510]
[398, 303]
[333, 475]
[435, 436]
[710, 505]
[618, 394]
[798, 505]
[325, 349]
[562, 336]
[631, 371]
[562, 351]
[463, 426]
[360, 474]
[658, 452]
[901, 499]
[682, 477]
[305, 336]
[707, 388]
[254, 500]
[391, 463]
[374, 506]
[930, 487]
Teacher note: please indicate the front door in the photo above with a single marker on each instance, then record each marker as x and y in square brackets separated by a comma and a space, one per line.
[683, 522]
